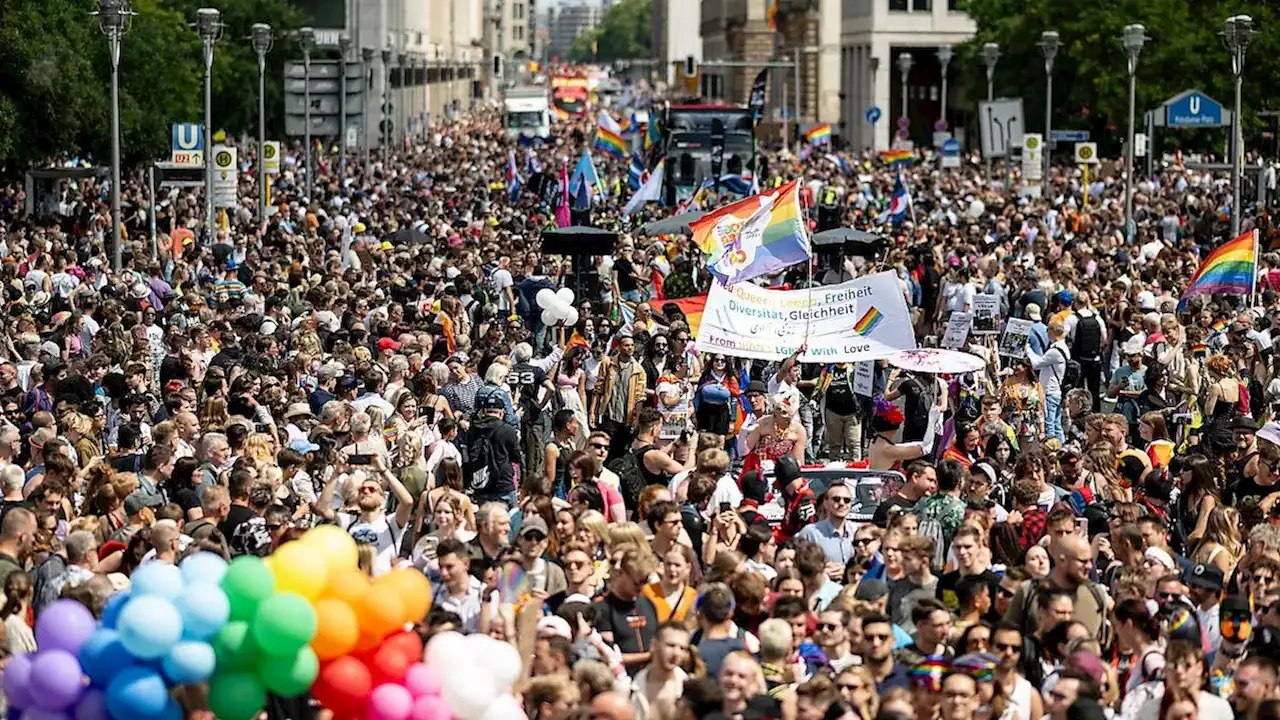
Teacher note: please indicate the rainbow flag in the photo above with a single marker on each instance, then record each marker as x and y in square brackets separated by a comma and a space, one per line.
[896, 157]
[869, 322]
[818, 134]
[772, 15]
[609, 136]
[755, 236]
[1231, 269]
[692, 308]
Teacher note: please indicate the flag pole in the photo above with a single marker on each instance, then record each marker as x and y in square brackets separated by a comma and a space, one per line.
[1254, 288]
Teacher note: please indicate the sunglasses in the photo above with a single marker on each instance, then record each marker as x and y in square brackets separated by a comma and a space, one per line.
[864, 541]
[828, 627]
[599, 446]
[1006, 647]
[840, 500]
[535, 536]
[369, 490]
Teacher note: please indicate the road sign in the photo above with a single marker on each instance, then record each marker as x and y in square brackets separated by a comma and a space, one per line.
[1192, 108]
[1032, 156]
[1086, 153]
[904, 123]
[950, 152]
[1139, 144]
[188, 144]
[903, 134]
[271, 157]
[1000, 122]
[224, 176]
[940, 126]
[1071, 136]
[873, 115]
[326, 97]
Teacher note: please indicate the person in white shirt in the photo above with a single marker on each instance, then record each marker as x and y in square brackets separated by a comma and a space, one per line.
[1052, 366]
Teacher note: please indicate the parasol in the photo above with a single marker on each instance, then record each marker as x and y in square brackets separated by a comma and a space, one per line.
[936, 360]
[674, 224]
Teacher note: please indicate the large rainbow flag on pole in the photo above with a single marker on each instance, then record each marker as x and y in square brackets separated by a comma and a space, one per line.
[1231, 269]
[609, 136]
[755, 236]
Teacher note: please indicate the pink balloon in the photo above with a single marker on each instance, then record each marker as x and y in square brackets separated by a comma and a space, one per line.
[390, 702]
[423, 681]
[428, 707]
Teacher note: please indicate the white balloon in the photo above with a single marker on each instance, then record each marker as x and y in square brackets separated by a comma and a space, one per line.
[444, 648]
[565, 295]
[504, 707]
[549, 317]
[501, 661]
[572, 318]
[468, 690]
[544, 297]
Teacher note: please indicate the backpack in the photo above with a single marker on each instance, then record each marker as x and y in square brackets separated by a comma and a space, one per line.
[939, 518]
[1070, 373]
[630, 476]
[482, 463]
[932, 529]
[1032, 594]
[1088, 339]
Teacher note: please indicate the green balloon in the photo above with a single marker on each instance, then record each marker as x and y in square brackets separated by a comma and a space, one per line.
[285, 622]
[236, 696]
[247, 583]
[234, 647]
[290, 675]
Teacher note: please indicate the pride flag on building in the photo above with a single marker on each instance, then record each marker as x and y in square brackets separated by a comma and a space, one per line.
[1229, 270]
[755, 236]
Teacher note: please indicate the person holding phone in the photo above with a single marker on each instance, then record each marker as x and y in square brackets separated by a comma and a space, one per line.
[374, 482]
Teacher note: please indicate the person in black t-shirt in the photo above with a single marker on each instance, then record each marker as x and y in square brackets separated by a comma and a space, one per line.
[967, 545]
[922, 480]
[626, 618]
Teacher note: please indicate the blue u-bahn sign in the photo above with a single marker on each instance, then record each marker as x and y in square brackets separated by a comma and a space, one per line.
[1192, 109]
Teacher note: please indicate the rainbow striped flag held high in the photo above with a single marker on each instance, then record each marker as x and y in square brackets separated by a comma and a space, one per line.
[755, 236]
[609, 136]
[896, 157]
[1232, 269]
[819, 134]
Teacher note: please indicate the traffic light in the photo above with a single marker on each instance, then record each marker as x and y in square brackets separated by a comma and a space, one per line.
[690, 66]
[497, 66]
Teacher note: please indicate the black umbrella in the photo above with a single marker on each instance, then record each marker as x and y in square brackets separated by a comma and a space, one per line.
[674, 224]
[579, 240]
[850, 241]
[409, 236]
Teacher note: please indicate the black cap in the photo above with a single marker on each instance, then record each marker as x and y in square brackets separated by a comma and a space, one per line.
[1206, 577]
[757, 386]
[785, 469]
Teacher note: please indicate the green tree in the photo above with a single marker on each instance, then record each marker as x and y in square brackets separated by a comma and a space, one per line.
[1090, 74]
[624, 33]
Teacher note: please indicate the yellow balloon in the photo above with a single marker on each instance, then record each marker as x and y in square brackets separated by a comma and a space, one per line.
[414, 591]
[339, 548]
[300, 568]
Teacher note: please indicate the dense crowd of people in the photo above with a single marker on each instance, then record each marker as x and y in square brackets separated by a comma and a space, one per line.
[1086, 529]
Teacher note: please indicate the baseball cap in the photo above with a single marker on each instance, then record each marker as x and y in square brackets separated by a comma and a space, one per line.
[1270, 432]
[133, 505]
[870, 590]
[491, 401]
[1205, 577]
[303, 445]
[1033, 312]
[533, 524]
[554, 625]
[387, 343]
[785, 469]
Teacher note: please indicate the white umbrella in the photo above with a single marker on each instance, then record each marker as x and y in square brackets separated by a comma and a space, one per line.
[936, 360]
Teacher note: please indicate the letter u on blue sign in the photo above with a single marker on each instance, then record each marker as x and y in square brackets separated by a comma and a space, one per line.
[188, 137]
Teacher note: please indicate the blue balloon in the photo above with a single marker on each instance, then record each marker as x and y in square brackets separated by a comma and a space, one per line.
[190, 662]
[157, 578]
[172, 711]
[103, 656]
[111, 611]
[203, 568]
[149, 626]
[92, 706]
[205, 609]
[137, 692]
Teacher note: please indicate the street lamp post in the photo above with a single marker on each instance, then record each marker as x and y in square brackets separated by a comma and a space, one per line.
[209, 28]
[402, 113]
[1049, 44]
[386, 124]
[905, 61]
[307, 41]
[1237, 33]
[366, 57]
[344, 51]
[114, 17]
[262, 40]
[990, 56]
[945, 53]
[875, 68]
[1134, 37]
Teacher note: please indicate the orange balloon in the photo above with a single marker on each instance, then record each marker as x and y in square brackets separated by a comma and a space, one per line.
[347, 585]
[366, 642]
[380, 611]
[413, 589]
[337, 629]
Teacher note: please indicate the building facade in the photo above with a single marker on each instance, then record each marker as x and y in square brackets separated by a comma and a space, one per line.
[735, 31]
[677, 34]
[566, 22]
[874, 37]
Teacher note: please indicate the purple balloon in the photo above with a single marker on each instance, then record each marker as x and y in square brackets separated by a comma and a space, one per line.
[41, 714]
[17, 682]
[56, 681]
[64, 625]
[92, 706]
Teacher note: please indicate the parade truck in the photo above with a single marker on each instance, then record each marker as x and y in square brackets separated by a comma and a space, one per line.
[570, 93]
[687, 130]
[526, 111]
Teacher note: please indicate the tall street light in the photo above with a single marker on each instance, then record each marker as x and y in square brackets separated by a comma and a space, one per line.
[386, 125]
[366, 57]
[945, 53]
[1237, 31]
[260, 35]
[307, 41]
[1134, 37]
[209, 28]
[990, 56]
[402, 62]
[875, 68]
[905, 61]
[344, 52]
[114, 18]
[1049, 44]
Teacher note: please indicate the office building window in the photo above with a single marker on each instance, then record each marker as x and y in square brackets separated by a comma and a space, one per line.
[954, 5]
[519, 11]
[518, 32]
[922, 5]
[899, 5]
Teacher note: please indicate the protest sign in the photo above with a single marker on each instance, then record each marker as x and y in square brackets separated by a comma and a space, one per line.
[863, 319]
[958, 326]
[1014, 341]
[986, 314]
[864, 378]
